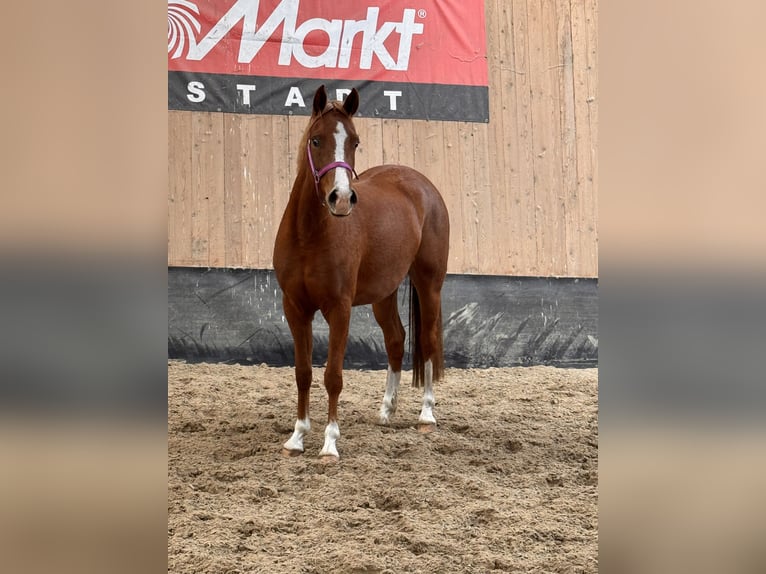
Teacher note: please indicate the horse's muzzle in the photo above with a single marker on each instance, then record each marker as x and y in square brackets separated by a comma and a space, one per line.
[342, 203]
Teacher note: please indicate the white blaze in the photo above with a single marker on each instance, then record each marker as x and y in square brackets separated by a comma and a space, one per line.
[342, 183]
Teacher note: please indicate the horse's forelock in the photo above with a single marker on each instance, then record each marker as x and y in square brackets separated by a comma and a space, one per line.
[333, 105]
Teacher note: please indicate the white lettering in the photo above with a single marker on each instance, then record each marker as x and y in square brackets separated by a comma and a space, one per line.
[392, 95]
[374, 45]
[246, 89]
[341, 36]
[295, 42]
[253, 38]
[253, 41]
[407, 29]
[350, 29]
[295, 97]
[196, 92]
[341, 93]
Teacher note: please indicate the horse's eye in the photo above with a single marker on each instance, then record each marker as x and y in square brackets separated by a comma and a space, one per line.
[315, 142]
[356, 145]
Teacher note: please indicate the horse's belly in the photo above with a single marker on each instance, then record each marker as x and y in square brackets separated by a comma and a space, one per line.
[376, 282]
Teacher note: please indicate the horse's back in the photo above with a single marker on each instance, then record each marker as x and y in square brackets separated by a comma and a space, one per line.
[400, 179]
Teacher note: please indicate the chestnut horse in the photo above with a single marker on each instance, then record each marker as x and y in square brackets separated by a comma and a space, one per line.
[348, 240]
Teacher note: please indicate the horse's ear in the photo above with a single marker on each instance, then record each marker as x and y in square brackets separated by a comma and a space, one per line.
[351, 103]
[320, 100]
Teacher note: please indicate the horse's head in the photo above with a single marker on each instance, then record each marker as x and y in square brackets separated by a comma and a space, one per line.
[331, 146]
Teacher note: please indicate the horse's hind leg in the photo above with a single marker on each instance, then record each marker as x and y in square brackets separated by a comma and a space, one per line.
[429, 346]
[387, 315]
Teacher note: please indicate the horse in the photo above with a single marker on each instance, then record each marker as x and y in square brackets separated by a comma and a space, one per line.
[348, 239]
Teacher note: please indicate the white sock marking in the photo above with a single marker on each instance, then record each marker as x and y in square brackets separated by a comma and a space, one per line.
[427, 413]
[331, 434]
[388, 408]
[341, 175]
[295, 442]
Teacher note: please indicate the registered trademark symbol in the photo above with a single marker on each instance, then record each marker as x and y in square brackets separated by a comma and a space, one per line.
[421, 13]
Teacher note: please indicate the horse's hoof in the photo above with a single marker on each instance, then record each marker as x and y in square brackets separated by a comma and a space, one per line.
[426, 428]
[328, 459]
[286, 452]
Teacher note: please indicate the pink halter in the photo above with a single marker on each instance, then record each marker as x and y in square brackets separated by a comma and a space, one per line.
[318, 174]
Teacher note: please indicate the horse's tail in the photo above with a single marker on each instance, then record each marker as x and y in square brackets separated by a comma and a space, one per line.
[416, 344]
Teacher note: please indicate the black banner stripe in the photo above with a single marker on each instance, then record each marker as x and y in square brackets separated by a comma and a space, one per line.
[230, 93]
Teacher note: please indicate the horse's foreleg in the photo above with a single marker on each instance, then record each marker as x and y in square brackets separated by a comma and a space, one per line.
[338, 319]
[388, 408]
[387, 315]
[300, 327]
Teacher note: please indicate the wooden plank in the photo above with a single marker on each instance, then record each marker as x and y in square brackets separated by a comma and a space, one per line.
[216, 195]
[490, 246]
[282, 181]
[543, 60]
[451, 192]
[504, 141]
[179, 187]
[419, 129]
[249, 158]
[362, 162]
[468, 201]
[428, 150]
[264, 190]
[390, 141]
[205, 171]
[370, 150]
[526, 201]
[497, 132]
[295, 127]
[515, 199]
[570, 199]
[555, 199]
[591, 22]
[406, 142]
[233, 189]
[433, 152]
[584, 142]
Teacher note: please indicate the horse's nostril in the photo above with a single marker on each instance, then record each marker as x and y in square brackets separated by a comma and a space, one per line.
[333, 197]
[353, 197]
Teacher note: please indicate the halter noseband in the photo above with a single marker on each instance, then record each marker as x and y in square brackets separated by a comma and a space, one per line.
[318, 174]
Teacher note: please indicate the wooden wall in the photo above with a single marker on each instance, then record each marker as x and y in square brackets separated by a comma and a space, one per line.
[521, 190]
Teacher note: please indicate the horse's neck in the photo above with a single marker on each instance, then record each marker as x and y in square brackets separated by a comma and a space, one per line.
[304, 205]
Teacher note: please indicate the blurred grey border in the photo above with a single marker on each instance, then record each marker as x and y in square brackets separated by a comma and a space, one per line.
[678, 345]
[682, 284]
[83, 338]
[681, 151]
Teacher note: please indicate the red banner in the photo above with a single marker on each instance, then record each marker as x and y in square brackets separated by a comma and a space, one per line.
[434, 42]
[401, 40]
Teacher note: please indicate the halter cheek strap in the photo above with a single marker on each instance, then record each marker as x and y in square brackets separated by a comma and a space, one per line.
[318, 174]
